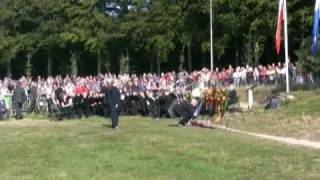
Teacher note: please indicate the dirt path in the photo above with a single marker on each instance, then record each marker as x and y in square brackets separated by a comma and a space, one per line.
[285, 140]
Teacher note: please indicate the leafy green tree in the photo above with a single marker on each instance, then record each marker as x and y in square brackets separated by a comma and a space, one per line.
[74, 35]
[161, 25]
[164, 32]
[306, 61]
[18, 22]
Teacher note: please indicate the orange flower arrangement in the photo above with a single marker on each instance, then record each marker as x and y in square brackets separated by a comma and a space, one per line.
[219, 98]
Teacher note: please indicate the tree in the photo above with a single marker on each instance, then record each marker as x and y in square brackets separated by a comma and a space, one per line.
[19, 22]
[73, 35]
[50, 28]
[101, 32]
[306, 61]
[165, 32]
[161, 27]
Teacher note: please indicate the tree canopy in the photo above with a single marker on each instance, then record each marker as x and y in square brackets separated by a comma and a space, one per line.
[97, 36]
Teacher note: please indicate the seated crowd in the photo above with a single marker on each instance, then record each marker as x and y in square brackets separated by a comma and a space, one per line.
[146, 94]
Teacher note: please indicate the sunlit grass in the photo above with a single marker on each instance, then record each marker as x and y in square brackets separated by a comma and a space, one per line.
[299, 118]
[144, 149]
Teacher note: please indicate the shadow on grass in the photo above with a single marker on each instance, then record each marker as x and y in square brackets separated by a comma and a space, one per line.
[191, 126]
[107, 125]
[172, 125]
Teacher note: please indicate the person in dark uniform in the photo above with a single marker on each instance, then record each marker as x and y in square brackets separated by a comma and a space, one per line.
[86, 105]
[78, 101]
[59, 93]
[100, 105]
[165, 102]
[33, 97]
[67, 106]
[184, 110]
[19, 97]
[112, 94]
[153, 107]
[93, 103]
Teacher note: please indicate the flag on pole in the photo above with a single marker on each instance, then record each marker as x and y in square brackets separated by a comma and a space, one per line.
[279, 26]
[315, 31]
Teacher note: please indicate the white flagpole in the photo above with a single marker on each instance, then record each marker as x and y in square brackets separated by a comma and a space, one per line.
[211, 36]
[286, 45]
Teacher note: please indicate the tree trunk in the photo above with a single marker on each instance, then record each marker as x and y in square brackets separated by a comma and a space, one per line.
[28, 70]
[256, 54]
[49, 70]
[9, 72]
[158, 63]
[99, 62]
[74, 65]
[151, 65]
[189, 58]
[236, 52]
[128, 60]
[269, 59]
[181, 59]
[203, 59]
[213, 62]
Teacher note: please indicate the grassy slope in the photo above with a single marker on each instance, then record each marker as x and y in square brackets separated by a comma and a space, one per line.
[300, 118]
[144, 149]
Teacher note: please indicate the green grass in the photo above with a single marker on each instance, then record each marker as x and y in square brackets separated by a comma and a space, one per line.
[144, 149]
[300, 118]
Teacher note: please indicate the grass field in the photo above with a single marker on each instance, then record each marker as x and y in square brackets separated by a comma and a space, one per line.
[143, 148]
[300, 118]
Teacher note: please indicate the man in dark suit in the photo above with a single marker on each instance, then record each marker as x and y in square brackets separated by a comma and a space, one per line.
[184, 110]
[19, 97]
[33, 97]
[112, 94]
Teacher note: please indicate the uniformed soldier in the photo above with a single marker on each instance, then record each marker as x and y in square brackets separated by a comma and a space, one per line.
[78, 101]
[184, 110]
[33, 97]
[113, 99]
[19, 97]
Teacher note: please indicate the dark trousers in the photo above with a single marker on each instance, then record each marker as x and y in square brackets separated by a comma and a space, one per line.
[78, 111]
[68, 112]
[18, 107]
[185, 111]
[86, 110]
[32, 106]
[114, 117]
[185, 117]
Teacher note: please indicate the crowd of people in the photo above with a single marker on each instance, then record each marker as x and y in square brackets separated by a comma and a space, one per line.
[146, 94]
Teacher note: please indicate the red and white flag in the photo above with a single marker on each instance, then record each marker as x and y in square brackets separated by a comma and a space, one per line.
[279, 25]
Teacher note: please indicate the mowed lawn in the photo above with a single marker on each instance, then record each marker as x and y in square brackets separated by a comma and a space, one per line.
[300, 118]
[144, 148]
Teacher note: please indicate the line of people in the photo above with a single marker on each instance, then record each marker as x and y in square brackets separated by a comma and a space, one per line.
[133, 88]
[110, 102]
[82, 102]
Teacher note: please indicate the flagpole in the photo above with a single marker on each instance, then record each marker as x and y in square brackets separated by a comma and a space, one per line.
[211, 36]
[286, 45]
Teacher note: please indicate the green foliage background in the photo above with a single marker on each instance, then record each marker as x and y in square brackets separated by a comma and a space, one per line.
[77, 37]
